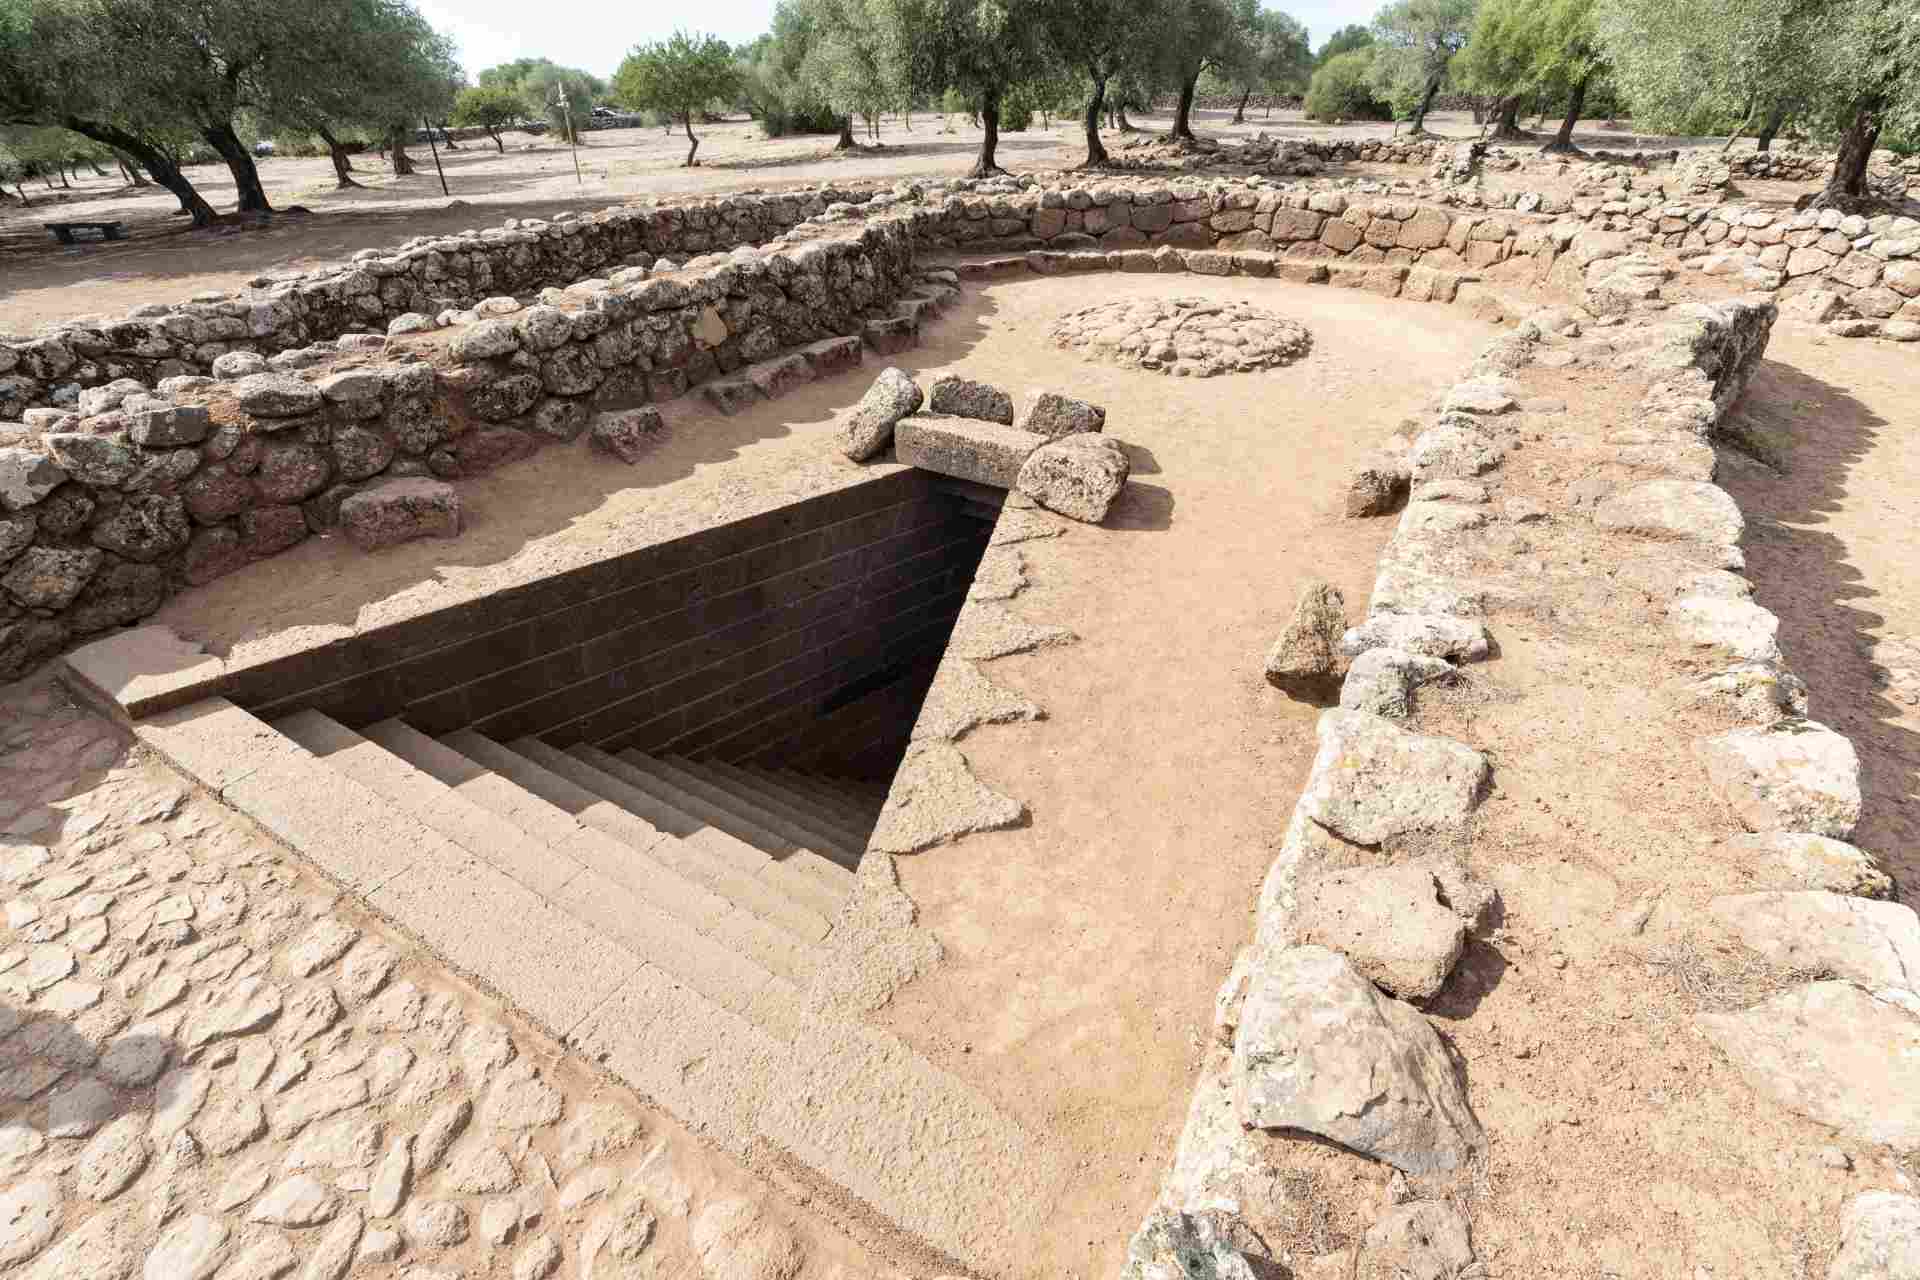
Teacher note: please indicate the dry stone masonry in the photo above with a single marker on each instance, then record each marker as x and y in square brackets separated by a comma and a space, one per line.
[1184, 337]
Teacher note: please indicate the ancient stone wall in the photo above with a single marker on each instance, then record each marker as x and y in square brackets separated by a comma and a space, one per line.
[102, 517]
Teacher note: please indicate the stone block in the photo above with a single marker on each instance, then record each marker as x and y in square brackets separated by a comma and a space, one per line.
[1078, 475]
[732, 395]
[965, 448]
[397, 511]
[960, 397]
[628, 434]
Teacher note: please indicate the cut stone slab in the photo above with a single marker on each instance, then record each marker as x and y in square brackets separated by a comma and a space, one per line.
[869, 430]
[1449, 451]
[397, 511]
[732, 395]
[1053, 415]
[1434, 635]
[1372, 780]
[965, 448]
[1389, 922]
[1382, 681]
[276, 395]
[782, 374]
[1685, 509]
[1877, 943]
[989, 631]
[1320, 1049]
[629, 434]
[1835, 1052]
[1879, 1238]
[966, 398]
[1305, 661]
[1795, 775]
[936, 798]
[1078, 475]
[961, 699]
[1802, 860]
[1756, 693]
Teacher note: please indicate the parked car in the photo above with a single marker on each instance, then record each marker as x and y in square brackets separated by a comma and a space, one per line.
[263, 148]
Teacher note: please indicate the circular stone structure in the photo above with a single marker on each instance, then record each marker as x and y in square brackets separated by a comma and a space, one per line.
[1186, 337]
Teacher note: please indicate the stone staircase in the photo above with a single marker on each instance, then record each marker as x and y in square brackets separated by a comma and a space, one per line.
[668, 918]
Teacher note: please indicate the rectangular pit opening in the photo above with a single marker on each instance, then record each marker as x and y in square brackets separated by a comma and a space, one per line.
[774, 664]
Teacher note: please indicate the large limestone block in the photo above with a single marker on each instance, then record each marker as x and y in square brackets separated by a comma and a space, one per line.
[965, 448]
[869, 430]
[1305, 661]
[1686, 509]
[1835, 1052]
[399, 511]
[1390, 922]
[1802, 860]
[1373, 780]
[1319, 1048]
[1879, 1238]
[966, 398]
[1877, 943]
[1382, 681]
[1795, 775]
[1436, 635]
[1077, 475]
[1053, 415]
[1741, 627]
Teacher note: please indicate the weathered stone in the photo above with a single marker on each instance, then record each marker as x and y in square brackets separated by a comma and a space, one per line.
[170, 426]
[1210, 1245]
[560, 418]
[245, 1007]
[1305, 661]
[334, 1252]
[501, 400]
[936, 798]
[105, 461]
[1389, 922]
[480, 1170]
[1877, 943]
[30, 1216]
[1053, 415]
[436, 1224]
[437, 1135]
[1879, 1238]
[359, 453]
[26, 477]
[483, 341]
[1801, 860]
[300, 1201]
[291, 473]
[1381, 681]
[539, 1259]
[1372, 779]
[112, 1158]
[737, 1239]
[277, 395]
[628, 434]
[1435, 635]
[103, 1247]
[1740, 627]
[117, 595]
[1794, 775]
[1320, 1049]
[50, 577]
[1077, 475]
[1450, 450]
[1682, 509]
[961, 397]
[965, 448]
[1835, 1052]
[191, 1249]
[869, 429]
[520, 1099]
[145, 528]
[396, 511]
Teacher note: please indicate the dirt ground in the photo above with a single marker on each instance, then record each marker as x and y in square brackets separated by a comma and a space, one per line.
[1832, 540]
[1083, 950]
[164, 261]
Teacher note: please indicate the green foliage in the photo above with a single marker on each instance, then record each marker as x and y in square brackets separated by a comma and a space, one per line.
[1414, 44]
[773, 78]
[1345, 40]
[1343, 89]
[680, 76]
[562, 96]
[1016, 110]
[490, 107]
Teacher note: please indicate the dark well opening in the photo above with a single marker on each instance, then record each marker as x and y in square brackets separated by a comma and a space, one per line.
[801, 639]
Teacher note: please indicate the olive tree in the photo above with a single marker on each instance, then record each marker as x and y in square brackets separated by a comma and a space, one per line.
[983, 48]
[677, 77]
[1281, 60]
[1104, 39]
[1202, 36]
[489, 107]
[1414, 44]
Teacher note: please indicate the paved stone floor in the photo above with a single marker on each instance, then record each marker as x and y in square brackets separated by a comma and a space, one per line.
[211, 1064]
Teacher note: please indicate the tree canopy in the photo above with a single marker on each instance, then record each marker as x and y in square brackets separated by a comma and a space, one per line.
[1414, 45]
[679, 77]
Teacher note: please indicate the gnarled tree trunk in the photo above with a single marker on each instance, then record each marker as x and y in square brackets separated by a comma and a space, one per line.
[1563, 140]
[157, 162]
[1849, 179]
[246, 176]
[1240, 111]
[1418, 125]
[1508, 125]
[986, 165]
[693, 143]
[1183, 112]
[1776, 120]
[342, 166]
[846, 142]
[1096, 150]
[397, 152]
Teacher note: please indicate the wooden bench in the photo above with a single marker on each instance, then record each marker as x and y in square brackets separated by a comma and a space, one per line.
[63, 231]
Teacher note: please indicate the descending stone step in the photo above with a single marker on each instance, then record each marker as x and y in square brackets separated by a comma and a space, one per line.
[687, 930]
[798, 821]
[858, 797]
[804, 872]
[847, 826]
[785, 834]
[546, 814]
[769, 879]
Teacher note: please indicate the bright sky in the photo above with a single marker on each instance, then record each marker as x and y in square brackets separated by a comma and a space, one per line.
[595, 34]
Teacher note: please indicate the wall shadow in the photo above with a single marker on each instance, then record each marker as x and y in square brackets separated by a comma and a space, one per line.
[1828, 618]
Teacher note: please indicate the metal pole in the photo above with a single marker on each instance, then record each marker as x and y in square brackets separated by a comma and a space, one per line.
[566, 110]
[436, 158]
